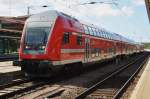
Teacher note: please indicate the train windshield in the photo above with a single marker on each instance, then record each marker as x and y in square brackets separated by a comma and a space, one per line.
[36, 37]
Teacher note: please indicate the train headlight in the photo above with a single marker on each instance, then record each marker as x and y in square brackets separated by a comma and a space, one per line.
[43, 47]
[27, 47]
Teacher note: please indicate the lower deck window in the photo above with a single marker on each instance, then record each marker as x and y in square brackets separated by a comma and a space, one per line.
[66, 38]
[79, 40]
[96, 52]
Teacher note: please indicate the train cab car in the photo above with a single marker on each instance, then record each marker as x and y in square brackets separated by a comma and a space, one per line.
[47, 41]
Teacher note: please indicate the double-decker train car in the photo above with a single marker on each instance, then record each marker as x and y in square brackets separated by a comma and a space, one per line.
[53, 40]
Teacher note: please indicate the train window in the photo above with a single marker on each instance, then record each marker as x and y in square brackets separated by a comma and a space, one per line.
[90, 29]
[108, 36]
[97, 51]
[110, 50]
[66, 38]
[111, 36]
[100, 33]
[104, 34]
[93, 30]
[97, 31]
[91, 33]
[79, 39]
[86, 29]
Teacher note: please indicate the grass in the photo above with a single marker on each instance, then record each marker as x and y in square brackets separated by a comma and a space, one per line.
[146, 45]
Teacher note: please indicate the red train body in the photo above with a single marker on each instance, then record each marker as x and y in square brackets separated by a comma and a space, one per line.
[52, 39]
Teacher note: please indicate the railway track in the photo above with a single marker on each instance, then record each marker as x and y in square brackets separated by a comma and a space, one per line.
[102, 88]
[61, 91]
[46, 89]
[18, 87]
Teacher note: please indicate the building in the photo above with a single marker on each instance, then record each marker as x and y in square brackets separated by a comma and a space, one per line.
[10, 33]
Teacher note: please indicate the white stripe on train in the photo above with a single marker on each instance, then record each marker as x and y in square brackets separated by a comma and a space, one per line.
[72, 51]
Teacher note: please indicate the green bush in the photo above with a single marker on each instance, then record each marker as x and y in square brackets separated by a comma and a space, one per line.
[146, 45]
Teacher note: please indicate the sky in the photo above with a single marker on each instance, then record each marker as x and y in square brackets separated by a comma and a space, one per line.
[128, 18]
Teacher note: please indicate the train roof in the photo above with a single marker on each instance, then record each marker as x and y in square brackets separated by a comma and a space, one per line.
[51, 15]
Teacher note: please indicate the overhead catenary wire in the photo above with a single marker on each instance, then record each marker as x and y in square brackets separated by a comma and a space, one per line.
[131, 21]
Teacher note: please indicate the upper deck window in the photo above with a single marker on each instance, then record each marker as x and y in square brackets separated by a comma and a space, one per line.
[100, 33]
[91, 31]
[95, 32]
[103, 34]
[86, 29]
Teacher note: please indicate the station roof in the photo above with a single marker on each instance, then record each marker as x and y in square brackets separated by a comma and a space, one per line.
[10, 30]
[147, 2]
[11, 20]
[12, 24]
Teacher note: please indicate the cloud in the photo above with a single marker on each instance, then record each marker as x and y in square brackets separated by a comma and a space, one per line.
[14, 2]
[128, 10]
[139, 2]
[19, 7]
[100, 10]
[9, 11]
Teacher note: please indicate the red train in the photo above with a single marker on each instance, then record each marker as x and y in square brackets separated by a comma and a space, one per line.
[51, 40]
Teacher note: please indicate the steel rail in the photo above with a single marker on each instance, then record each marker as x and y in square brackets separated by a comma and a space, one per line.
[95, 86]
[125, 86]
[13, 83]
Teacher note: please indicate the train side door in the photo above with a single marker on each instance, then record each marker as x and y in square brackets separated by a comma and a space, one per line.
[87, 49]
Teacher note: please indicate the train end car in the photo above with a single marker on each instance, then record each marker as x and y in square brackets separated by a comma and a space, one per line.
[52, 40]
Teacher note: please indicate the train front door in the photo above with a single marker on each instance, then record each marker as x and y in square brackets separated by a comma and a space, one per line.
[87, 50]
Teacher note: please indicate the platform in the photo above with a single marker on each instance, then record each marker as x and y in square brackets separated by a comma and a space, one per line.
[8, 72]
[6, 67]
[8, 57]
[142, 89]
